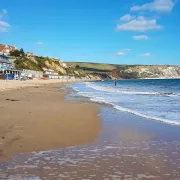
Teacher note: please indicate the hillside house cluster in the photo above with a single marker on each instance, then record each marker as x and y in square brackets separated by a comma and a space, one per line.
[7, 68]
[6, 49]
[30, 54]
[7, 65]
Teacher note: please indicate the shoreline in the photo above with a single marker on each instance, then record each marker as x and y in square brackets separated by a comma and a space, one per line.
[15, 84]
[38, 119]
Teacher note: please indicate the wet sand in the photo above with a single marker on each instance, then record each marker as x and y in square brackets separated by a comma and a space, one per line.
[38, 119]
[126, 150]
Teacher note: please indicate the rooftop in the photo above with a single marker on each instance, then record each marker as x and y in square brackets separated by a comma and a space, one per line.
[4, 46]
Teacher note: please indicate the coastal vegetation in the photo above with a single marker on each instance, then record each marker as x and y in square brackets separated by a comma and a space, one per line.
[38, 63]
[104, 71]
[17, 53]
[128, 71]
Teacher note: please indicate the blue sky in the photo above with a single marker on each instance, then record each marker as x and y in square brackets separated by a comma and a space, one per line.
[109, 31]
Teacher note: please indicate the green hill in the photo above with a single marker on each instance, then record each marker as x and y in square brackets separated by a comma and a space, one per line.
[128, 71]
[102, 70]
[98, 70]
[38, 63]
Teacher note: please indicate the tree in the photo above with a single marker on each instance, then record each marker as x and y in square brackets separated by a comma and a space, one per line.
[15, 53]
[77, 66]
[22, 52]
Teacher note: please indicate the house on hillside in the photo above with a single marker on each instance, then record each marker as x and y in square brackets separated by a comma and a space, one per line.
[57, 60]
[6, 49]
[30, 54]
[7, 69]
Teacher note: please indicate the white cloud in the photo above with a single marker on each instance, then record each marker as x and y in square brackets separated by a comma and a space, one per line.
[127, 17]
[4, 26]
[39, 43]
[156, 5]
[120, 53]
[146, 54]
[140, 24]
[141, 37]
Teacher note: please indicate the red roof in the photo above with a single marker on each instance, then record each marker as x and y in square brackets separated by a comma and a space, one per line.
[3, 47]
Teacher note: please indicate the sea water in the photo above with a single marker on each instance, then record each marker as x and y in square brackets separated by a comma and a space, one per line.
[157, 99]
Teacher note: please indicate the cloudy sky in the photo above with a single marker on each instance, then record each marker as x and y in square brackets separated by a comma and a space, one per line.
[109, 31]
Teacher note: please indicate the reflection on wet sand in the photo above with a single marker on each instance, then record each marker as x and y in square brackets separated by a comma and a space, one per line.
[121, 153]
[108, 160]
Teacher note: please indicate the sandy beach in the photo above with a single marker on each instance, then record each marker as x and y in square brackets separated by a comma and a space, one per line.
[37, 118]
[14, 84]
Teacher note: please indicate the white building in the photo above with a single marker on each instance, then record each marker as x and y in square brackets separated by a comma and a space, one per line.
[31, 74]
[50, 73]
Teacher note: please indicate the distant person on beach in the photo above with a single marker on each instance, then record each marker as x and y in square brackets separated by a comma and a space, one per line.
[115, 82]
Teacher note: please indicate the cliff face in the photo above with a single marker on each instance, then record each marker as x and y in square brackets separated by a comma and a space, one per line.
[154, 71]
[105, 71]
[39, 63]
[57, 67]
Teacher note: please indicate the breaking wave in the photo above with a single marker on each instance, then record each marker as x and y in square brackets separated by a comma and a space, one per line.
[126, 91]
[158, 100]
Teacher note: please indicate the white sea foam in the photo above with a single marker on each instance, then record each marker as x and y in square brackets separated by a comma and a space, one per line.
[33, 178]
[95, 99]
[158, 105]
[146, 116]
[126, 91]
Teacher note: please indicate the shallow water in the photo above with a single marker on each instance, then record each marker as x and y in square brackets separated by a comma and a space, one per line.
[129, 148]
[153, 99]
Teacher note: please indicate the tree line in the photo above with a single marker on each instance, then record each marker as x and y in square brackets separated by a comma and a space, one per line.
[17, 53]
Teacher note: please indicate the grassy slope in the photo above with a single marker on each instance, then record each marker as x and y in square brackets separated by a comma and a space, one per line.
[38, 63]
[102, 70]
[123, 71]
[97, 66]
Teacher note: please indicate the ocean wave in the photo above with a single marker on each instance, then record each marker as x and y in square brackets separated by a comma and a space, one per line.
[101, 100]
[126, 91]
[111, 96]
[146, 116]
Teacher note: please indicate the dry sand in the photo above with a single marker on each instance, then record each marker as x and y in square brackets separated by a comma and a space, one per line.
[12, 84]
[38, 118]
